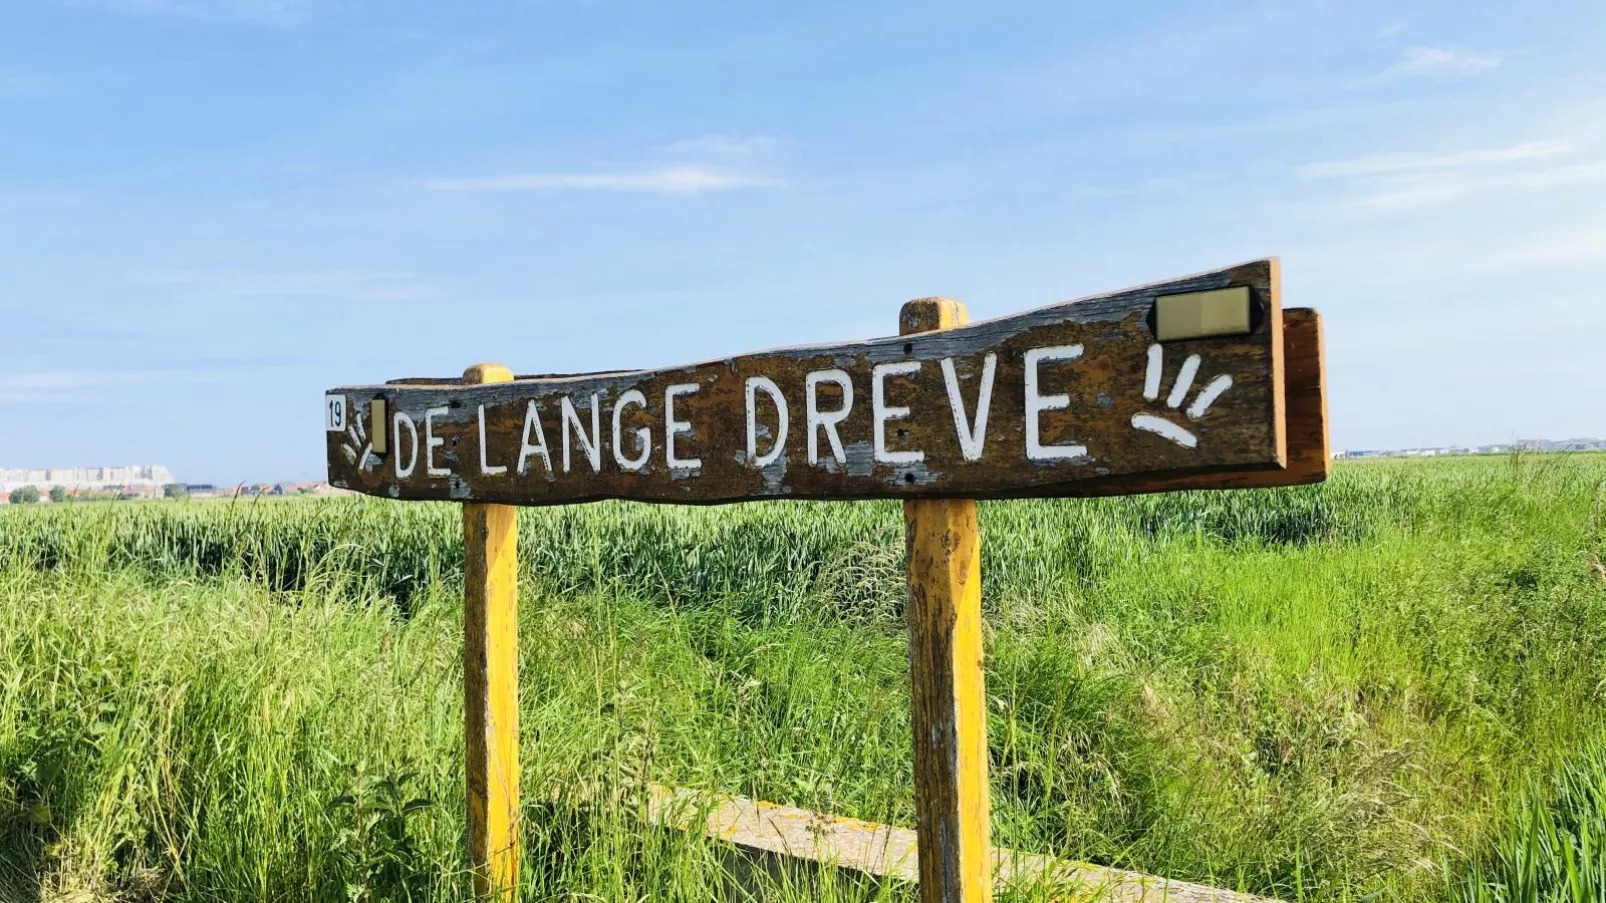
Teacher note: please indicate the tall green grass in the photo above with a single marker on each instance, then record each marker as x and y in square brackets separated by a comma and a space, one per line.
[1317, 693]
[771, 554]
[1552, 846]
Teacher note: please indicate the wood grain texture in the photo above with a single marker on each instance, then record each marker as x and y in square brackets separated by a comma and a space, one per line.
[562, 439]
[947, 692]
[1310, 456]
[491, 685]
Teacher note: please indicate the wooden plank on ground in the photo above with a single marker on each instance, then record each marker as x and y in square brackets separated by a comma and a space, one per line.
[1079, 398]
[887, 851]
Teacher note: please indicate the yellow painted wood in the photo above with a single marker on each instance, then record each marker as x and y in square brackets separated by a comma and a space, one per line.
[491, 684]
[947, 691]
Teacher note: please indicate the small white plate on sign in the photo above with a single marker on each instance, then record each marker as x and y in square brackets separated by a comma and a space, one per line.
[334, 413]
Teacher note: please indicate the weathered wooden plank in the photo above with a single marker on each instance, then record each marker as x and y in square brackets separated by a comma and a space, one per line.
[1059, 401]
[947, 695]
[491, 685]
[890, 851]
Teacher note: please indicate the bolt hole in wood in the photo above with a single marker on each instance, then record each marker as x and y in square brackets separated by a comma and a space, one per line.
[1063, 401]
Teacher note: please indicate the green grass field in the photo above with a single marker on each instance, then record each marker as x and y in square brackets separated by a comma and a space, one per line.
[1389, 687]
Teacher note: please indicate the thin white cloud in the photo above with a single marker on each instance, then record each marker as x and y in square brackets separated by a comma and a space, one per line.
[1402, 192]
[1409, 193]
[64, 385]
[1386, 164]
[268, 12]
[1576, 174]
[333, 285]
[665, 180]
[724, 145]
[1458, 256]
[1420, 61]
[1154, 185]
[48, 380]
[1576, 245]
[1397, 181]
[1487, 323]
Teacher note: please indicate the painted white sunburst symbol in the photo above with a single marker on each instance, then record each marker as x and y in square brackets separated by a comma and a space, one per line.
[1207, 396]
[357, 438]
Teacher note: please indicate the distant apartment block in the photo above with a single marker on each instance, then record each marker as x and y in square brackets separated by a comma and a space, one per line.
[135, 476]
[1521, 445]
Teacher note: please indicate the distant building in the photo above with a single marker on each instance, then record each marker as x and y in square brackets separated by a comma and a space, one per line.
[1521, 445]
[79, 479]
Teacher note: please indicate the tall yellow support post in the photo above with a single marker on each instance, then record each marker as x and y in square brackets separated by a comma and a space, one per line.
[946, 683]
[491, 683]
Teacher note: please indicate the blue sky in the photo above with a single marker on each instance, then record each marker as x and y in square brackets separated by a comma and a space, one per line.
[212, 210]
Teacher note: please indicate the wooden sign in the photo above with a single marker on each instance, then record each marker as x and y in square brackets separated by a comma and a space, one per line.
[1198, 383]
[1147, 389]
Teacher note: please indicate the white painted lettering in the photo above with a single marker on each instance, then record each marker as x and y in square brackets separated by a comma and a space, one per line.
[973, 432]
[884, 413]
[827, 420]
[673, 427]
[755, 384]
[1037, 403]
[397, 422]
[592, 444]
[485, 467]
[532, 425]
[643, 435]
[431, 443]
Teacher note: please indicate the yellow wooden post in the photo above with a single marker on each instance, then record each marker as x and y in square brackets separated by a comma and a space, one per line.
[491, 683]
[945, 667]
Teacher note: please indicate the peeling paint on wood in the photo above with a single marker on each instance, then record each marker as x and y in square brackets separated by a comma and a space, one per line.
[1053, 402]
